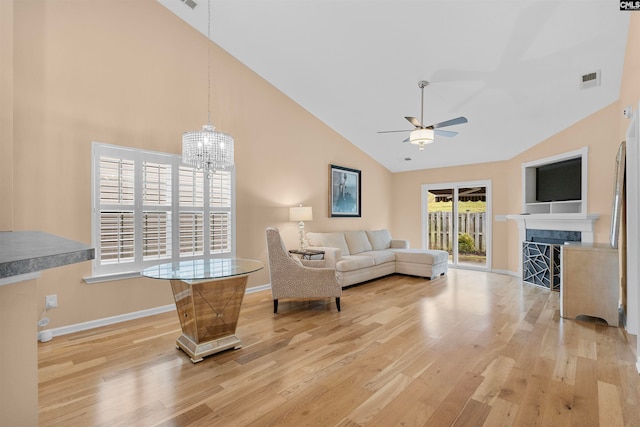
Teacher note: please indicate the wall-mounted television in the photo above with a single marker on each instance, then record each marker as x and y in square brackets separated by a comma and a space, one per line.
[559, 181]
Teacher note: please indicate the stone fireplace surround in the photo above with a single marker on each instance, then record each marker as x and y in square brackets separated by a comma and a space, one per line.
[558, 222]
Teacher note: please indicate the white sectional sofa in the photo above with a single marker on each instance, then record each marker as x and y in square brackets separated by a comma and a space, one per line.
[362, 255]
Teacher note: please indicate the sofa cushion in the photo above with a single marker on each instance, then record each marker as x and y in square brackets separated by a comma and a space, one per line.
[354, 262]
[380, 257]
[331, 240]
[421, 256]
[357, 241]
[380, 239]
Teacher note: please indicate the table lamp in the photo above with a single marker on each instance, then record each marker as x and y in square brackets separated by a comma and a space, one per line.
[301, 213]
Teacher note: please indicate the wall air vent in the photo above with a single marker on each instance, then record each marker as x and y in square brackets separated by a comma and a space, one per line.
[190, 3]
[590, 80]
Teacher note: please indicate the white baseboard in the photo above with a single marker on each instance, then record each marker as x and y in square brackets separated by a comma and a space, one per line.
[258, 289]
[79, 327]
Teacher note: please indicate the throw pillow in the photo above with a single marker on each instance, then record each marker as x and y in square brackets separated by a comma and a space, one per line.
[329, 240]
[357, 241]
[380, 239]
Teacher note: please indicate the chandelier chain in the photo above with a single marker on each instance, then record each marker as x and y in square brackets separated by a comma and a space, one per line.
[208, 61]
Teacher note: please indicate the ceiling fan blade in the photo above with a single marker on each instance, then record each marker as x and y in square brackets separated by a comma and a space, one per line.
[414, 121]
[456, 121]
[447, 133]
[393, 131]
[406, 140]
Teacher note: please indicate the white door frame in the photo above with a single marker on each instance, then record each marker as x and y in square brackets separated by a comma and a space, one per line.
[425, 188]
[633, 219]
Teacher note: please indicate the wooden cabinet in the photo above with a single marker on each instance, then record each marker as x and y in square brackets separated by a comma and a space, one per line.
[589, 281]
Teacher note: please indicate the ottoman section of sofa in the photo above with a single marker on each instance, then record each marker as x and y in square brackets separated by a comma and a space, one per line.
[422, 262]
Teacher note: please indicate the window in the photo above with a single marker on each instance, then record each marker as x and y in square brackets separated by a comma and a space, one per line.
[148, 208]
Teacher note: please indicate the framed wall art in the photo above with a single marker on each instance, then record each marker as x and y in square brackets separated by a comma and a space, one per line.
[345, 189]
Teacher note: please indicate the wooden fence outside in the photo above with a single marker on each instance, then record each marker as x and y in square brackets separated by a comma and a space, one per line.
[440, 229]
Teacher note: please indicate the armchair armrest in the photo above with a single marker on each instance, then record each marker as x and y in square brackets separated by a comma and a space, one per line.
[315, 263]
[331, 255]
[399, 244]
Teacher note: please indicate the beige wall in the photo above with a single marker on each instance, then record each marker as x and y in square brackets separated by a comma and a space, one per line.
[18, 354]
[6, 114]
[132, 74]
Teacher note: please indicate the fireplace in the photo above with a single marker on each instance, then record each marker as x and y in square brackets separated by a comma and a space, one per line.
[551, 229]
[541, 256]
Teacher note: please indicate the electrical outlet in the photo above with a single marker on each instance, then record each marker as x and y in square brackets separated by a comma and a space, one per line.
[51, 301]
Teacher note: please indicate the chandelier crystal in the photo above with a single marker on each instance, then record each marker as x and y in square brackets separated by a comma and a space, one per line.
[207, 149]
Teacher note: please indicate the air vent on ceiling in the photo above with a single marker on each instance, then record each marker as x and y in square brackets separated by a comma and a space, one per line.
[590, 80]
[190, 3]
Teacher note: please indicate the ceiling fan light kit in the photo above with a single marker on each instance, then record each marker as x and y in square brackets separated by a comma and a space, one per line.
[423, 135]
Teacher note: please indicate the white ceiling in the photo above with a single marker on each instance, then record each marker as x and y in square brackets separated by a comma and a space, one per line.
[512, 67]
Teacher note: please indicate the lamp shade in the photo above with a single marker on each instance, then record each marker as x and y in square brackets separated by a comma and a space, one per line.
[300, 213]
[421, 136]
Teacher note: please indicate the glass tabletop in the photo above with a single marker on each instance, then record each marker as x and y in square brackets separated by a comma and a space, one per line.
[201, 269]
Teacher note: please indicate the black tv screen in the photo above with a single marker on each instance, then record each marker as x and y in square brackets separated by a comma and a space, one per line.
[559, 181]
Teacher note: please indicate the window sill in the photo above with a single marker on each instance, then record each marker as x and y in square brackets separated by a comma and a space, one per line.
[111, 277]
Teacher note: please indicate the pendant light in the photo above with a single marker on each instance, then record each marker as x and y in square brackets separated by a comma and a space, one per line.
[208, 149]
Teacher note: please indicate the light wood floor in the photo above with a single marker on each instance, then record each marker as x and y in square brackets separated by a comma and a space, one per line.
[468, 349]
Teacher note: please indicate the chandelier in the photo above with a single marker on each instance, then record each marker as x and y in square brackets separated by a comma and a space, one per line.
[207, 149]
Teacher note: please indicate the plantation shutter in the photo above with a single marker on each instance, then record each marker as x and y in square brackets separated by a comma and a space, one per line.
[150, 208]
[156, 195]
[220, 203]
[191, 205]
[116, 217]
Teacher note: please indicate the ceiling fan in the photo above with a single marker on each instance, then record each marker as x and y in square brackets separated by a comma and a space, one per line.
[423, 135]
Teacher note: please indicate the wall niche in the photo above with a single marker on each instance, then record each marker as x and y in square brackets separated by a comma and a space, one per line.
[557, 184]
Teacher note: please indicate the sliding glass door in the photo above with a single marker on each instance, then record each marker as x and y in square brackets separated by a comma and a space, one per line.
[456, 219]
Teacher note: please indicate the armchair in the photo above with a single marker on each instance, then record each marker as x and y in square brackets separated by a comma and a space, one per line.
[290, 278]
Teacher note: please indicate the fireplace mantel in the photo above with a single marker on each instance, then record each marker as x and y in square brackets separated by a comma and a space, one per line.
[569, 222]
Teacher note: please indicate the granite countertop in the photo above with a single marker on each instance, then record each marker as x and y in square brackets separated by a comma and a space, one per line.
[23, 252]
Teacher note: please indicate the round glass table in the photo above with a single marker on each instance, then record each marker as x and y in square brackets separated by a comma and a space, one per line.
[208, 295]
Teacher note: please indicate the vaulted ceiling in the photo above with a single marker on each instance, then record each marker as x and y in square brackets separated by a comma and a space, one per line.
[513, 68]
